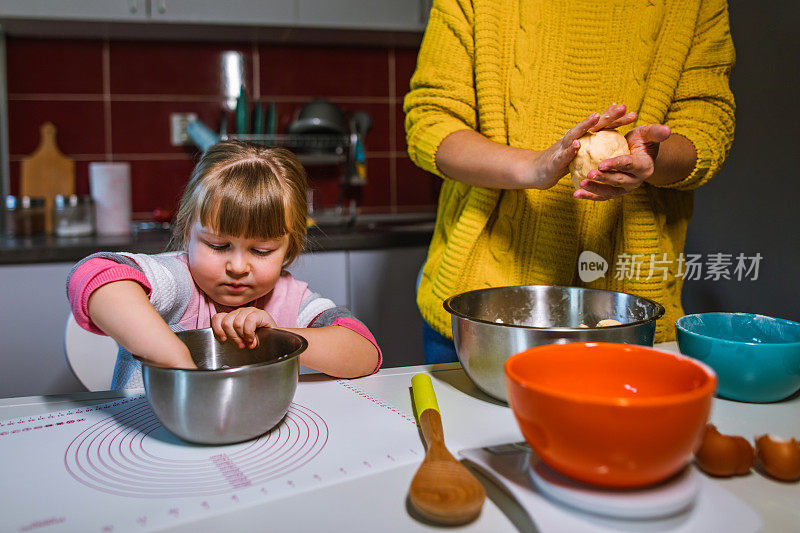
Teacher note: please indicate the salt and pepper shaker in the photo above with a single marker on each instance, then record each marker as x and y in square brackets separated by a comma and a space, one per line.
[73, 216]
[25, 216]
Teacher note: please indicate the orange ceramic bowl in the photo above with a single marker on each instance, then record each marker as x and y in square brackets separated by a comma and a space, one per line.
[611, 415]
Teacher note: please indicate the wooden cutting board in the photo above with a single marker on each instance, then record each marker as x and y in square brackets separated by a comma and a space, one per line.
[47, 172]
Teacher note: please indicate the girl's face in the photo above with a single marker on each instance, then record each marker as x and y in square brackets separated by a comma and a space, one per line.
[234, 271]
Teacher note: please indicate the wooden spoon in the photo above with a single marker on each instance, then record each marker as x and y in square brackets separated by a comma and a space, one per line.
[442, 490]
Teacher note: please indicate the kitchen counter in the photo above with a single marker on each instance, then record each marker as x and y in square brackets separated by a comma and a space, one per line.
[362, 233]
[377, 502]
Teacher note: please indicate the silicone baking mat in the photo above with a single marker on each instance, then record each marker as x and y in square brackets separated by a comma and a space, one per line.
[113, 467]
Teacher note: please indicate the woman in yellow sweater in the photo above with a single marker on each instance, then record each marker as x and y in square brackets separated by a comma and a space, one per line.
[498, 83]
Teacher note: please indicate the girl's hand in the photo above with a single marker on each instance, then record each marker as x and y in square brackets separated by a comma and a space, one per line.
[620, 175]
[240, 325]
[140, 329]
[553, 163]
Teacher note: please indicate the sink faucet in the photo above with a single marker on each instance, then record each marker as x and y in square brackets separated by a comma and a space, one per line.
[356, 173]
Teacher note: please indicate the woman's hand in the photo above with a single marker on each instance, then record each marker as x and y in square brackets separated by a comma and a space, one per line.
[622, 174]
[551, 164]
[240, 325]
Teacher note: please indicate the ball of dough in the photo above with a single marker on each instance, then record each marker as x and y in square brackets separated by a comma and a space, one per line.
[596, 147]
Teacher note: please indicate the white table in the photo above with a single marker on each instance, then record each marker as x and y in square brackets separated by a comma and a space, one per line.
[471, 419]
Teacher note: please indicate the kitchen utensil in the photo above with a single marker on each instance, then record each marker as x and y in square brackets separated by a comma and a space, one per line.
[591, 510]
[234, 395]
[319, 116]
[442, 490]
[756, 357]
[73, 216]
[47, 172]
[110, 185]
[654, 501]
[271, 126]
[514, 463]
[360, 123]
[610, 415]
[490, 325]
[201, 135]
[242, 114]
[258, 119]
[223, 123]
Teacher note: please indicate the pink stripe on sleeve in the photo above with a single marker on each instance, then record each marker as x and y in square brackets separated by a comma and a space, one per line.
[92, 275]
[361, 329]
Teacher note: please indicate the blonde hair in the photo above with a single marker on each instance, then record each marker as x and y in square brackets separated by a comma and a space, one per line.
[246, 191]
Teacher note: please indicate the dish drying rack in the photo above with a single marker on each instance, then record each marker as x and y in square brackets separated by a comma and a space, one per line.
[310, 149]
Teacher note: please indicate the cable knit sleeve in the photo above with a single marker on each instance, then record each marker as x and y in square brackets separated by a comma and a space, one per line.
[442, 97]
[703, 107]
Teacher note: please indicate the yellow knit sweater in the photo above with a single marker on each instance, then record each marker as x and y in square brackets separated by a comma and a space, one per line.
[523, 73]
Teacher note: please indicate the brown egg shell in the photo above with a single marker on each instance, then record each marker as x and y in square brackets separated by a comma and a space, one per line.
[724, 455]
[779, 458]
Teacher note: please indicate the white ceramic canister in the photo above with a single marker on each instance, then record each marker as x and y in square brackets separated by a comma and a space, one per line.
[110, 185]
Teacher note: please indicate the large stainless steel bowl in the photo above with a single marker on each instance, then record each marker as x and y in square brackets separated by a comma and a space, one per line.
[234, 395]
[490, 325]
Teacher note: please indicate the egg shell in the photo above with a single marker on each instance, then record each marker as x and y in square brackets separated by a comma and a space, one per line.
[779, 458]
[724, 455]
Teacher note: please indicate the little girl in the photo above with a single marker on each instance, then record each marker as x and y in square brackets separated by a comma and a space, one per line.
[241, 222]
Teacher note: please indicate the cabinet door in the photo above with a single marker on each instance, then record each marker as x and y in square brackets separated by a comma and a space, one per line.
[325, 273]
[35, 312]
[383, 296]
[112, 10]
[250, 12]
[404, 15]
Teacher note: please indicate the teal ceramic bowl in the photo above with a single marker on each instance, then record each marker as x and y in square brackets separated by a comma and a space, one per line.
[756, 357]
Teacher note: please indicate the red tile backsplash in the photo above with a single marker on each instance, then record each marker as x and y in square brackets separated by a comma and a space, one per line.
[14, 170]
[324, 71]
[171, 68]
[400, 128]
[80, 126]
[54, 66]
[82, 177]
[378, 191]
[144, 127]
[405, 63]
[112, 100]
[158, 184]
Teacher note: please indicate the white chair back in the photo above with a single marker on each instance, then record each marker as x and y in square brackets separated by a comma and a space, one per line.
[91, 357]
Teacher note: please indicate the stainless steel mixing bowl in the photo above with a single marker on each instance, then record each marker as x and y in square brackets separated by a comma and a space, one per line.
[490, 325]
[234, 395]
